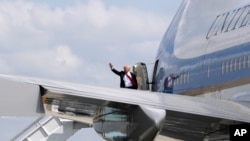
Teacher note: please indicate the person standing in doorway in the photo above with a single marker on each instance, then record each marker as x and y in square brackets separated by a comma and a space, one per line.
[127, 78]
[169, 83]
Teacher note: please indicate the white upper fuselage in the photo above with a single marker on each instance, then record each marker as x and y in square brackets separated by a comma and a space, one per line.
[211, 26]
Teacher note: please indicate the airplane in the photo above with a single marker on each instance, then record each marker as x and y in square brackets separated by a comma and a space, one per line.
[199, 87]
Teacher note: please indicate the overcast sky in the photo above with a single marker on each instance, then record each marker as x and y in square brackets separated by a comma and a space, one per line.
[74, 40]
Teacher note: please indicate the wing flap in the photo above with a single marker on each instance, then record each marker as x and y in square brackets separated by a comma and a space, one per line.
[186, 126]
[19, 99]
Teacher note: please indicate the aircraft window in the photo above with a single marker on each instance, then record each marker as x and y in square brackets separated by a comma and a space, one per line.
[235, 64]
[239, 63]
[227, 66]
[223, 68]
[244, 62]
[185, 78]
[181, 78]
[208, 71]
[248, 61]
[177, 81]
[231, 65]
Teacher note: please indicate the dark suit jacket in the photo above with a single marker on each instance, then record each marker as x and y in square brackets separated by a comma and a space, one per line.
[122, 74]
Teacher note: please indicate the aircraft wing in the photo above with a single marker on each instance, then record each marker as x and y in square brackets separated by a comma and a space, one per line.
[23, 96]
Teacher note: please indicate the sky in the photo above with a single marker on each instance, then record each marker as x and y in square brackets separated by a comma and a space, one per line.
[75, 40]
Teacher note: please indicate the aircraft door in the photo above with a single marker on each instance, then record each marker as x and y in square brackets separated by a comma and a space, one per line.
[140, 70]
[154, 81]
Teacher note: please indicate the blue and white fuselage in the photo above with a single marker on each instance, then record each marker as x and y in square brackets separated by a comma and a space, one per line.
[207, 50]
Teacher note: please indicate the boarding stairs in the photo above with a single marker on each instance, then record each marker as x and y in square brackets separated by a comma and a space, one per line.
[49, 128]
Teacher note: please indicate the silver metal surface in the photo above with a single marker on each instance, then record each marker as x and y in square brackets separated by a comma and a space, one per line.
[140, 70]
[19, 99]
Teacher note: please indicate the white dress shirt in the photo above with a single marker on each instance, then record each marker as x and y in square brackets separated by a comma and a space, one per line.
[127, 81]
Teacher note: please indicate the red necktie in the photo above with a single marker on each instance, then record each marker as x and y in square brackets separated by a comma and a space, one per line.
[132, 80]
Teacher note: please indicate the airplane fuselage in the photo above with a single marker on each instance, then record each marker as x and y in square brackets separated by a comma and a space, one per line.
[206, 53]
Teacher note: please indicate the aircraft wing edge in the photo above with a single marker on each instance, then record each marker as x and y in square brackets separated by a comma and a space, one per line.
[185, 104]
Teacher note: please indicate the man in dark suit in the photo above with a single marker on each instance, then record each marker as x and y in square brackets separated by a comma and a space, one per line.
[127, 78]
